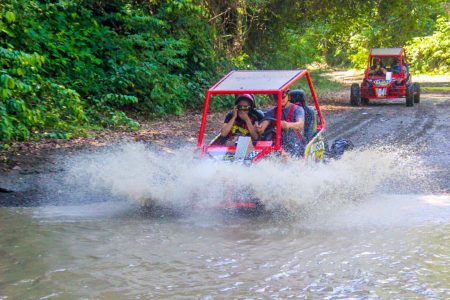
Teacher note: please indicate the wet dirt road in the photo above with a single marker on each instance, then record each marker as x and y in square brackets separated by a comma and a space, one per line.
[422, 130]
[375, 225]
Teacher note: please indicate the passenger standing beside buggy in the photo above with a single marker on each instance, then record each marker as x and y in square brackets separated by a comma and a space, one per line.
[292, 122]
[241, 121]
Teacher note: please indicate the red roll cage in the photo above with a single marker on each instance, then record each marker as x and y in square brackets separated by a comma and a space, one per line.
[259, 82]
[387, 52]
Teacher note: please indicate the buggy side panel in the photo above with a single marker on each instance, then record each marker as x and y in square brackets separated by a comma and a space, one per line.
[311, 118]
[315, 150]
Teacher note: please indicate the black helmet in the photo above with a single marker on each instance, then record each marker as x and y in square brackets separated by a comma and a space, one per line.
[298, 97]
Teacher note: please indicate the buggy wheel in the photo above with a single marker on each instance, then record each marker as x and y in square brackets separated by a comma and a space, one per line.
[365, 101]
[355, 95]
[409, 95]
[416, 92]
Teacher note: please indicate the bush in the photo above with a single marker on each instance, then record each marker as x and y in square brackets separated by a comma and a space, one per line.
[71, 65]
[29, 104]
[431, 54]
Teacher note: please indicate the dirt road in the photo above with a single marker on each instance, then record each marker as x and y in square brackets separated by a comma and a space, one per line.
[422, 130]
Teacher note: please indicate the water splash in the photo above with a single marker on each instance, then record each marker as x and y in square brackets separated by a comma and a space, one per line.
[132, 171]
[381, 211]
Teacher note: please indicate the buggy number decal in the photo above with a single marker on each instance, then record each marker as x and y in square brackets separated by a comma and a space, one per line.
[316, 152]
[381, 92]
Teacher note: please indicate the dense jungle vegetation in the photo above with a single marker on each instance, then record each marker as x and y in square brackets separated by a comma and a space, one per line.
[71, 65]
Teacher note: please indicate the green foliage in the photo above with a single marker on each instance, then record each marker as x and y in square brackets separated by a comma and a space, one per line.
[29, 103]
[70, 65]
[290, 34]
[378, 24]
[322, 84]
[431, 54]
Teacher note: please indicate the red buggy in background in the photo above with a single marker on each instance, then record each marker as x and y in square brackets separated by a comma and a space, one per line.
[390, 79]
[245, 151]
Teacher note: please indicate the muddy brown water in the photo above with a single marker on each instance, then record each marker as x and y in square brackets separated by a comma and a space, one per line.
[375, 225]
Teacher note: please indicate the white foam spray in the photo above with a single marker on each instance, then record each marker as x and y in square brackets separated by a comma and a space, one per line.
[132, 171]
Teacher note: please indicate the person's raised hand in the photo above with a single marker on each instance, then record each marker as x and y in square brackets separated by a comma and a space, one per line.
[235, 112]
[243, 115]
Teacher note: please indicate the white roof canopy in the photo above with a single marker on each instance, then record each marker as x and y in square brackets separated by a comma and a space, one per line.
[267, 80]
[387, 51]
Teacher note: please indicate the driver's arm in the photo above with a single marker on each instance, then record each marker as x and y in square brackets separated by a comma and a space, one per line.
[252, 129]
[261, 128]
[293, 125]
[226, 128]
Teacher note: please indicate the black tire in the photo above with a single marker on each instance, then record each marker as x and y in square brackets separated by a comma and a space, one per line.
[355, 95]
[365, 101]
[416, 92]
[409, 95]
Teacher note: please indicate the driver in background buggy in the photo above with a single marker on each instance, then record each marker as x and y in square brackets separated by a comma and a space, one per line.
[377, 69]
[292, 123]
[241, 121]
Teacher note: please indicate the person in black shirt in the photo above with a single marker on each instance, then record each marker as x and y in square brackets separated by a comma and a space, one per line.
[378, 69]
[241, 121]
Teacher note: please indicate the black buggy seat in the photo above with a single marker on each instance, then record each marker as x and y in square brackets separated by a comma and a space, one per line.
[298, 97]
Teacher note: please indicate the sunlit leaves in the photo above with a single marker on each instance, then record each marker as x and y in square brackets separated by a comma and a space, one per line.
[10, 16]
[432, 53]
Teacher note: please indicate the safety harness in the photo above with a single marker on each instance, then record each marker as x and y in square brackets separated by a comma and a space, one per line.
[289, 119]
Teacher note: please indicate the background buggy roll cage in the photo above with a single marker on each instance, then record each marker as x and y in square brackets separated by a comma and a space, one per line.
[238, 87]
[387, 52]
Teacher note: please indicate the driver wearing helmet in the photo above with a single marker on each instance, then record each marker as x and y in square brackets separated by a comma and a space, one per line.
[378, 69]
[241, 121]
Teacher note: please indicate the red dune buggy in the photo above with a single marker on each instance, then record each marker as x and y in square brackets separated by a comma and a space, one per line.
[387, 76]
[248, 152]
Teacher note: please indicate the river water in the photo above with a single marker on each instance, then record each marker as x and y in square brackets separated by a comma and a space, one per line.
[343, 234]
